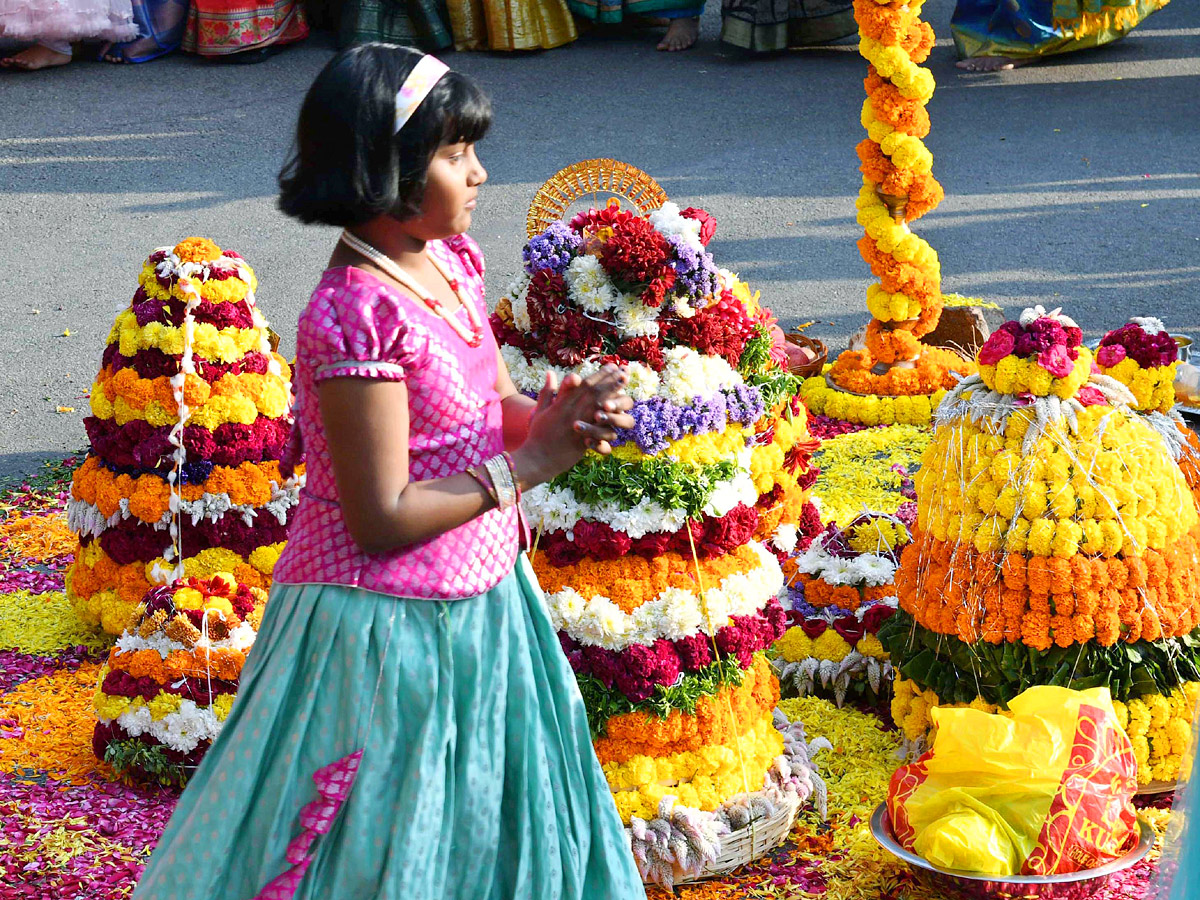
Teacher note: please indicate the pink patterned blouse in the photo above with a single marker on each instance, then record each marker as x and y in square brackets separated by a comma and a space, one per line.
[359, 326]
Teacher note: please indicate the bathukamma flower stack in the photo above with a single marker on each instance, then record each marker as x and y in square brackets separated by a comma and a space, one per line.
[661, 562]
[190, 413]
[842, 593]
[169, 683]
[180, 507]
[1056, 543]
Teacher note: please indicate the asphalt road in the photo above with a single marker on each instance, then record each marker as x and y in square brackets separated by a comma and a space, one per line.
[1074, 183]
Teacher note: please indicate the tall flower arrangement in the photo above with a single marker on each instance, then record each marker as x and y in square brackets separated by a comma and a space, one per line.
[190, 413]
[898, 188]
[1056, 543]
[661, 562]
[181, 507]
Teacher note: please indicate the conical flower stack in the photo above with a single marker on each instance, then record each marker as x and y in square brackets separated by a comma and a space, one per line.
[181, 507]
[1056, 543]
[190, 413]
[661, 563]
[842, 592]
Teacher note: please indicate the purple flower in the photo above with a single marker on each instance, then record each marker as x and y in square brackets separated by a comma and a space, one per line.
[552, 249]
[659, 421]
[695, 272]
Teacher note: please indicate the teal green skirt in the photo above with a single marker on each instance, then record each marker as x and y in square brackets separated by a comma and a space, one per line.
[478, 778]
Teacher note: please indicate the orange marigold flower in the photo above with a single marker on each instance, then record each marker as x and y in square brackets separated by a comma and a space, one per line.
[197, 250]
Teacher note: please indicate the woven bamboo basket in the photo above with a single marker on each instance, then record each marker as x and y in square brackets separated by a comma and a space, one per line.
[750, 843]
[800, 339]
[593, 177]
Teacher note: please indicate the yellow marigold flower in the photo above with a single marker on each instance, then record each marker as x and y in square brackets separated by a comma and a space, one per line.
[830, 645]
[795, 645]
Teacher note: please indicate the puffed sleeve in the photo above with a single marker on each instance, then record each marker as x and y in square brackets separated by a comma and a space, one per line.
[357, 327]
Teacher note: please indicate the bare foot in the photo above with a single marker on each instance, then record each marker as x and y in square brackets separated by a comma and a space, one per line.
[681, 35]
[990, 63]
[131, 51]
[35, 57]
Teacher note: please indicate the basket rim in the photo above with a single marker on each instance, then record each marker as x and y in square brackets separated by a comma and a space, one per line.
[881, 830]
[783, 819]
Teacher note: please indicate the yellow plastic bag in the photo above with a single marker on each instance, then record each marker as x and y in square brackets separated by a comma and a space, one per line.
[1044, 792]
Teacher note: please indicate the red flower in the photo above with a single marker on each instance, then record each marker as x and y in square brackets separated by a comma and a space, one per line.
[656, 291]
[593, 220]
[644, 349]
[850, 629]
[999, 345]
[636, 254]
[721, 329]
[708, 224]
[599, 541]
[874, 617]
[814, 628]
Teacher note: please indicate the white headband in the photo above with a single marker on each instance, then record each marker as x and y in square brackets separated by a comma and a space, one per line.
[416, 88]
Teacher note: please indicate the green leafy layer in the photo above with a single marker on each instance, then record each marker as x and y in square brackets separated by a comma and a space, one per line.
[959, 672]
[664, 481]
[141, 760]
[603, 703]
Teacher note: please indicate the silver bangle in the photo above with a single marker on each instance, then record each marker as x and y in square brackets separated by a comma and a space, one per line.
[501, 475]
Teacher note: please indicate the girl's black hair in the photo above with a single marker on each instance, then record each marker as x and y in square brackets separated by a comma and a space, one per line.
[348, 166]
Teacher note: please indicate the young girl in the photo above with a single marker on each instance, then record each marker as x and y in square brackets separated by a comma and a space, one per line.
[404, 622]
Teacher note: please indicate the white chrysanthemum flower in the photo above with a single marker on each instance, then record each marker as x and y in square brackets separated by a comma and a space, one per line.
[786, 537]
[719, 602]
[643, 381]
[670, 222]
[840, 571]
[680, 614]
[610, 619]
[589, 286]
[728, 494]
[634, 318]
[1031, 314]
[875, 569]
[688, 374]
[1149, 324]
[567, 606]
[682, 308]
[518, 368]
[241, 638]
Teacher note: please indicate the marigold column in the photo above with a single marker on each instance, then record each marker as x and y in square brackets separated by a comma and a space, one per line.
[898, 188]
